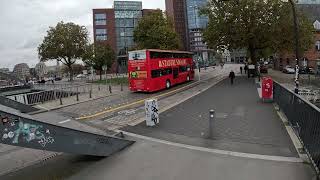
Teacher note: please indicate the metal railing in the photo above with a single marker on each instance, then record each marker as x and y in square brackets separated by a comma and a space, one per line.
[41, 97]
[63, 92]
[304, 117]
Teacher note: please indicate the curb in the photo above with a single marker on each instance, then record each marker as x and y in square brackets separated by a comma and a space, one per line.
[294, 138]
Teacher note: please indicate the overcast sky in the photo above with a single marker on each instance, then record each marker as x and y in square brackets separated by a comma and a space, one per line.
[24, 24]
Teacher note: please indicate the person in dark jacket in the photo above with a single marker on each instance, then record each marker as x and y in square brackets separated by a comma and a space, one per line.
[241, 69]
[245, 69]
[232, 76]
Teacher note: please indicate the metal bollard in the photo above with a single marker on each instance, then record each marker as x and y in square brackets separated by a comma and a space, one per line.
[99, 87]
[90, 93]
[211, 118]
[77, 94]
[121, 85]
[60, 98]
[110, 89]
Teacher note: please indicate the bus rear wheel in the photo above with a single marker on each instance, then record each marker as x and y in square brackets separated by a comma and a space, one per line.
[168, 84]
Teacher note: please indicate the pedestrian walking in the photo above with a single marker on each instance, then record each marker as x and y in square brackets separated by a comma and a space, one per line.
[241, 69]
[259, 73]
[245, 69]
[232, 76]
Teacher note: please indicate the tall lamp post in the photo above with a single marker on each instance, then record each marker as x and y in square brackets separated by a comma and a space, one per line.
[296, 32]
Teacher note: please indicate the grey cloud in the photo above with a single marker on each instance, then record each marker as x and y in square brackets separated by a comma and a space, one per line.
[24, 23]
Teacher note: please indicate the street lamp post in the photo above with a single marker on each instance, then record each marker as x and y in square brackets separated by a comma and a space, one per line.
[296, 32]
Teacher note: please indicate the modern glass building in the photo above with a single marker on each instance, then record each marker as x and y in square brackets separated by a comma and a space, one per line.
[196, 24]
[308, 1]
[194, 20]
[127, 15]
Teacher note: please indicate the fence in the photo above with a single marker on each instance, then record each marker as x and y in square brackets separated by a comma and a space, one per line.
[304, 117]
[69, 92]
[50, 93]
[42, 96]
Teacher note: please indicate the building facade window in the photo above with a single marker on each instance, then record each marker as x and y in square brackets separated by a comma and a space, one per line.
[100, 19]
[318, 45]
[101, 34]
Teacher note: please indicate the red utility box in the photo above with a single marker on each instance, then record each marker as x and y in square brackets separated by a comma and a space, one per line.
[267, 88]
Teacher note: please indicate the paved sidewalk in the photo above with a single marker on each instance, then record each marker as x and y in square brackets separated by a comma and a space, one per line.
[147, 160]
[242, 122]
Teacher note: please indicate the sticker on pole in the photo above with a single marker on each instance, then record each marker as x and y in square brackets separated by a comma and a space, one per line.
[152, 112]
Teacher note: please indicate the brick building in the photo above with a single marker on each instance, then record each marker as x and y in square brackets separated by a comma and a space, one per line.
[176, 10]
[189, 25]
[114, 26]
[311, 57]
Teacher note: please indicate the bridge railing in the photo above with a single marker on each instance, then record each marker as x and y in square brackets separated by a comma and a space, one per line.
[304, 117]
[50, 93]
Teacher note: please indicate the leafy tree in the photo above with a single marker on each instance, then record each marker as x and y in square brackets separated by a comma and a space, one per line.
[76, 69]
[156, 31]
[99, 55]
[260, 26]
[65, 42]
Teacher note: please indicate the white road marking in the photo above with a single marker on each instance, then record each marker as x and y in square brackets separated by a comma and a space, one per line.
[217, 151]
[43, 108]
[62, 122]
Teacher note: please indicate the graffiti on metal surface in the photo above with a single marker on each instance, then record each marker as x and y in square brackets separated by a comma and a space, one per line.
[17, 131]
[22, 130]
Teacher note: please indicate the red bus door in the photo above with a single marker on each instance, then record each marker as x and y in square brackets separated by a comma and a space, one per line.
[175, 75]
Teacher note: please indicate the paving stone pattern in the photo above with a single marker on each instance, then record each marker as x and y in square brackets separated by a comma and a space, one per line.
[242, 122]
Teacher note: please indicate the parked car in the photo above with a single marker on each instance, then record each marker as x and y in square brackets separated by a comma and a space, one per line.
[288, 70]
[311, 71]
[303, 70]
[80, 76]
[264, 69]
[58, 79]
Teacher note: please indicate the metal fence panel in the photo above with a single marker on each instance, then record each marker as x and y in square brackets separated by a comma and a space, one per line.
[304, 117]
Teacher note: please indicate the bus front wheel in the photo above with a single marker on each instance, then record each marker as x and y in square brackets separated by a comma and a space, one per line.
[168, 84]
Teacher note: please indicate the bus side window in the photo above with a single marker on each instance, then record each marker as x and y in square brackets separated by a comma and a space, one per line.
[169, 71]
[166, 71]
[156, 73]
[182, 68]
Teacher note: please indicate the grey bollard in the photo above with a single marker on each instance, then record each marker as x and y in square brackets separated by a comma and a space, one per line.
[90, 93]
[60, 98]
[77, 94]
[211, 119]
[110, 89]
[99, 87]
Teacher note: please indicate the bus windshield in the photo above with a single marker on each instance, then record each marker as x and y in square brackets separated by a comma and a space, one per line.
[137, 55]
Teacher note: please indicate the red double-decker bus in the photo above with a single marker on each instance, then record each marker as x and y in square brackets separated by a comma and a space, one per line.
[152, 70]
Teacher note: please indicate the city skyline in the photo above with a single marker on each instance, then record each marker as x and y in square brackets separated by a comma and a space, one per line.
[24, 31]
